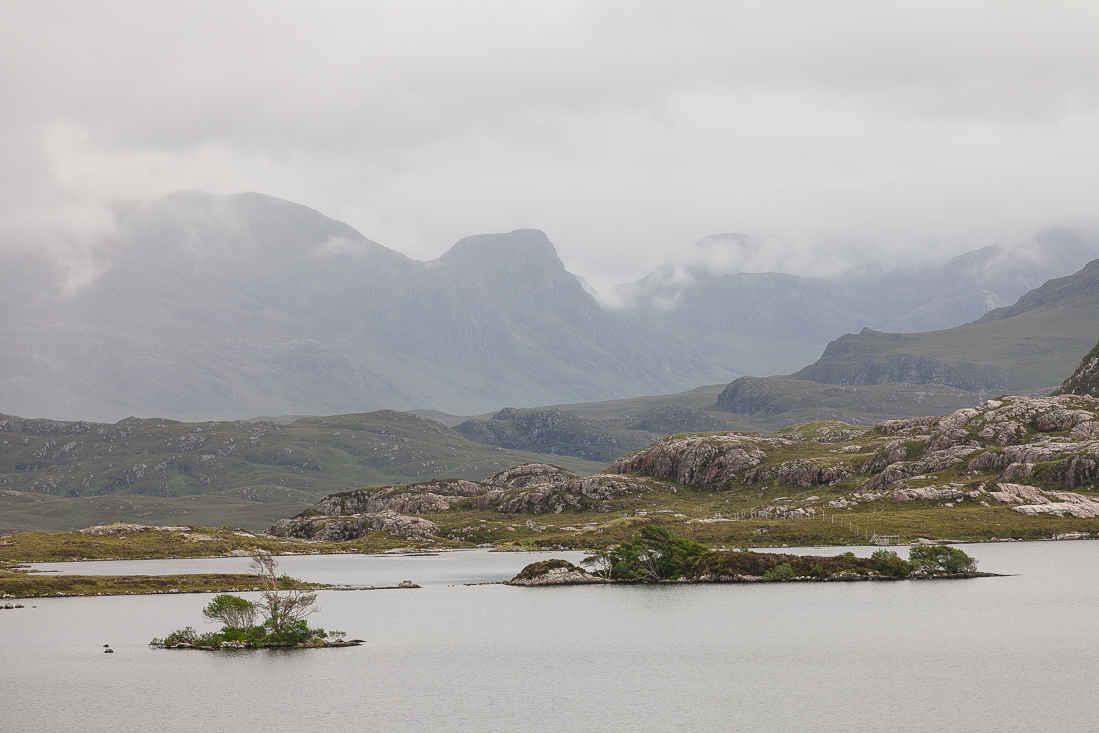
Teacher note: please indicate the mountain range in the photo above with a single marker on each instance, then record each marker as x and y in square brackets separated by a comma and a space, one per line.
[201, 307]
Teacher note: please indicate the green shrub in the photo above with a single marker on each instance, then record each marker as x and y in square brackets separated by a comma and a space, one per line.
[887, 562]
[293, 632]
[232, 611]
[782, 571]
[934, 559]
[653, 554]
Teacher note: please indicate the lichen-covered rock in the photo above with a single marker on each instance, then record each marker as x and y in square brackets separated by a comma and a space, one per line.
[1061, 419]
[893, 452]
[709, 461]
[1068, 503]
[930, 493]
[354, 526]
[936, 461]
[1016, 471]
[553, 572]
[1018, 494]
[985, 461]
[800, 471]
[1080, 469]
[431, 496]
[115, 529]
[580, 493]
[530, 474]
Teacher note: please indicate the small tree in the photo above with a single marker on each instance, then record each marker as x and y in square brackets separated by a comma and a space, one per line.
[285, 607]
[887, 562]
[232, 611]
[653, 554]
[600, 563]
[940, 559]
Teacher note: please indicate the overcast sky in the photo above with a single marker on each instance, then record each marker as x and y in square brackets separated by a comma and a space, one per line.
[625, 130]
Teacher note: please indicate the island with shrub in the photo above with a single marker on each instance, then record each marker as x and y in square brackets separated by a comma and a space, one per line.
[656, 555]
[276, 620]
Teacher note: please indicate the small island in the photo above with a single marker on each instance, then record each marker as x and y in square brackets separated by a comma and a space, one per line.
[656, 555]
[278, 620]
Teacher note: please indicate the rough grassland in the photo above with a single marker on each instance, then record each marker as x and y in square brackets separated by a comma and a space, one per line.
[28, 585]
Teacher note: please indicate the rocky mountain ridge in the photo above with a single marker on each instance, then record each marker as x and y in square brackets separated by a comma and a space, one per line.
[222, 307]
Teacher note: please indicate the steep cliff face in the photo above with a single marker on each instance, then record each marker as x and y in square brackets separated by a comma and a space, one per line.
[1085, 380]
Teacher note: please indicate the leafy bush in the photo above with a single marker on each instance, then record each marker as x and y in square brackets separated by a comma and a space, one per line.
[934, 559]
[767, 565]
[232, 611]
[293, 632]
[653, 554]
[185, 635]
[887, 562]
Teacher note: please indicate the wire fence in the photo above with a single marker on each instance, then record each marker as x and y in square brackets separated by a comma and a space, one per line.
[870, 534]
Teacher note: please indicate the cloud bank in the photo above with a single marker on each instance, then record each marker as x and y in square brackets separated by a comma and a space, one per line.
[625, 130]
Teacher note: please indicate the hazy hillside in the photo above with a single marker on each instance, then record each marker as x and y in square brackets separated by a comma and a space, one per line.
[212, 307]
[60, 474]
[764, 323]
[200, 307]
[1028, 347]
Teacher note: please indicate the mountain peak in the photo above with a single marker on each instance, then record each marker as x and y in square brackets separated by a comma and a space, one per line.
[518, 252]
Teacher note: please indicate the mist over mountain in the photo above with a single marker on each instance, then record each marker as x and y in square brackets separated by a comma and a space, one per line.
[209, 307]
[198, 307]
[764, 323]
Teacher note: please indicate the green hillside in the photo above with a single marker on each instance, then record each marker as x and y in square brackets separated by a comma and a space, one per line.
[1026, 348]
[66, 475]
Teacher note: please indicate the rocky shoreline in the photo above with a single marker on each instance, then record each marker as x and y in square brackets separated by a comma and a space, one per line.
[750, 567]
[247, 645]
[578, 576]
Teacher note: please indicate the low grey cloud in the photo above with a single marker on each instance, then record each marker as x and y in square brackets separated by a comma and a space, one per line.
[840, 132]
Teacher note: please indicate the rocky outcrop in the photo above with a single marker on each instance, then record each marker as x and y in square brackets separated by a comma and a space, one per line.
[354, 526]
[530, 488]
[553, 572]
[432, 496]
[1085, 380]
[1020, 438]
[746, 395]
[800, 471]
[709, 461]
[530, 474]
[590, 493]
[119, 529]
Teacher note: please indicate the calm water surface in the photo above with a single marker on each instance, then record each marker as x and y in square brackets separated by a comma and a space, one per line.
[1018, 653]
